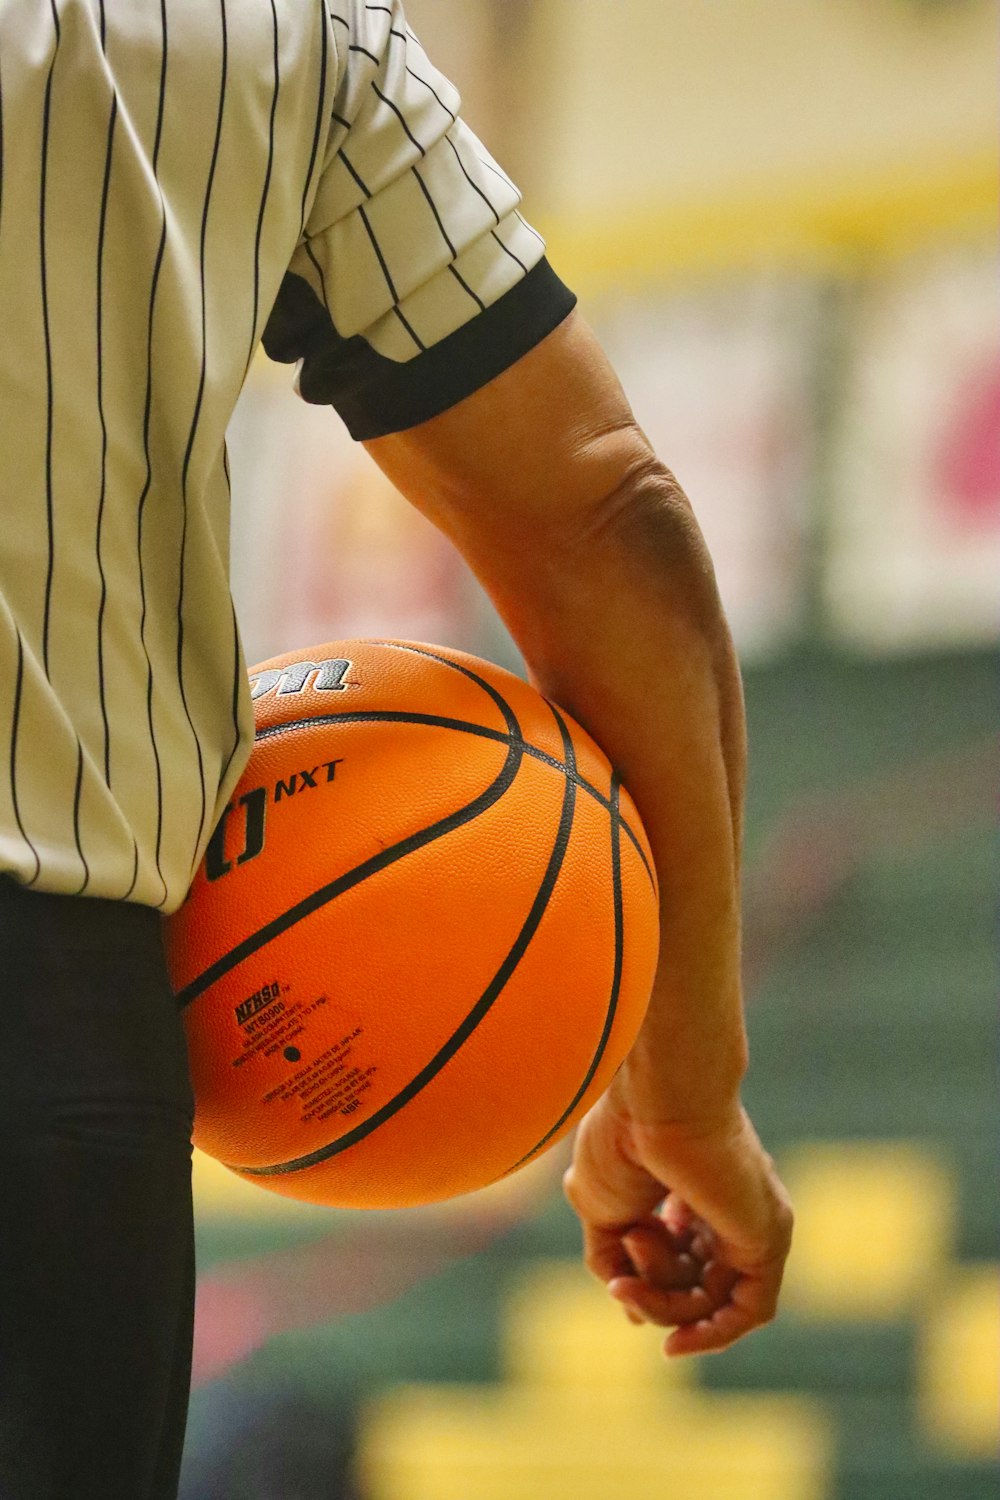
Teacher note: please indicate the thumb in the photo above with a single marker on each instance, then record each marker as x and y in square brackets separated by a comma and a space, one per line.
[605, 1184]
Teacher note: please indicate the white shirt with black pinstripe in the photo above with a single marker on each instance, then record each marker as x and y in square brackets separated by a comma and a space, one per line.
[178, 179]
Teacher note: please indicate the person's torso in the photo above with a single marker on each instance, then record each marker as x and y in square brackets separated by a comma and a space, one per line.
[156, 163]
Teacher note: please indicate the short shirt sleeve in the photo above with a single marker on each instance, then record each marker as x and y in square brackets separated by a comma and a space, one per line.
[416, 280]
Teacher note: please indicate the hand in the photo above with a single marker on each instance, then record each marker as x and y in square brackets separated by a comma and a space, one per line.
[689, 1227]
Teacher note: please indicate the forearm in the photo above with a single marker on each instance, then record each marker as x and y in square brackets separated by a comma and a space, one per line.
[595, 561]
[623, 627]
[626, 631]
[619, 621]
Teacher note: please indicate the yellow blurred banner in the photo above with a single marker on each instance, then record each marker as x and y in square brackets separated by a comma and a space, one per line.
[814, 224]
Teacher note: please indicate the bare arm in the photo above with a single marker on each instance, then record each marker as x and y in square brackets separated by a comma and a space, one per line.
[594, 558]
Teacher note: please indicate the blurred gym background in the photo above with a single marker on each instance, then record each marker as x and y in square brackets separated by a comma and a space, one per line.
[780, 215]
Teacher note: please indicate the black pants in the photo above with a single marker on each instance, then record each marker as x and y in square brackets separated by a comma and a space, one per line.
[96, 1231]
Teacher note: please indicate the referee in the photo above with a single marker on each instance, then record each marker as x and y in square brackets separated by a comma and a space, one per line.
[179, 180]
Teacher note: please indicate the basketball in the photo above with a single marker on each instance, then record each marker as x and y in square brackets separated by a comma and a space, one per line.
[423, 935]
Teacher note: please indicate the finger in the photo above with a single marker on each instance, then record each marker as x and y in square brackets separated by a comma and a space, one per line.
[667, 1309]
[605, 1254]
[669, 1303]
[751, 1304]
[668, 1271]
[702, 1244]
[719, 1281]
[678, 1217]
[599, 1197]
[607, 1251]
[658, 1257]
[756, 1291]
[709, 1335]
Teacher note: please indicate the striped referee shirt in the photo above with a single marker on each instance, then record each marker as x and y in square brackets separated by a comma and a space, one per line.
[179, 180]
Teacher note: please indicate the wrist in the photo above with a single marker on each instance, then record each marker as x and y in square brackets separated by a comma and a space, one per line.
[695, 1090]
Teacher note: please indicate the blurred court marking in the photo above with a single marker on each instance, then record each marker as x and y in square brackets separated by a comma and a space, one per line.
[959, 1365]
[590, 1412]
[561, 1331]
[219, 1192]
[874, 1228]
[357, 1262]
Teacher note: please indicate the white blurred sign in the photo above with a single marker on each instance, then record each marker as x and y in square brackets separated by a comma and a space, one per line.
[914, 532]
[722, 382]
[323, 547]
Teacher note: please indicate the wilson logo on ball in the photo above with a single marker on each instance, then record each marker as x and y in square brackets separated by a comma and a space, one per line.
[295, 678]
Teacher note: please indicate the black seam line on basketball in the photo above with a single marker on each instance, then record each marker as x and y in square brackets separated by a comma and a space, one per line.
[351, 878]
[509, 716]
[616, 983]
[416, 650]
[463, 726]
[485, 1002]
[515, 745]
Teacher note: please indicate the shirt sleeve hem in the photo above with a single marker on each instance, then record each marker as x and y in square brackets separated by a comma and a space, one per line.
[395, 397]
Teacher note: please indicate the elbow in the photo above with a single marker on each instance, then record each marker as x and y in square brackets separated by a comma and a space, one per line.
[648, 520]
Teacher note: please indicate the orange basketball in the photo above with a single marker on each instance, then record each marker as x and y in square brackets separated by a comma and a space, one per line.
[423, 935]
